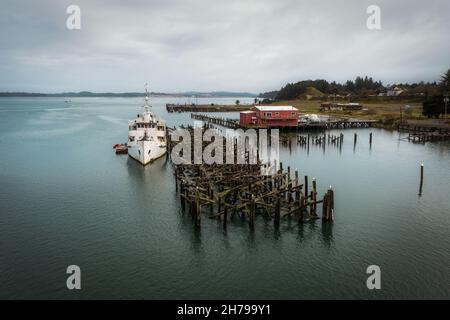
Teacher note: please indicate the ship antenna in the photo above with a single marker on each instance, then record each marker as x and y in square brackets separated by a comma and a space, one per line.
[146, 98]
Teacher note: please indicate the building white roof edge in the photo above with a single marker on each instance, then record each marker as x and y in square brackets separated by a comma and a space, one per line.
[276, 108]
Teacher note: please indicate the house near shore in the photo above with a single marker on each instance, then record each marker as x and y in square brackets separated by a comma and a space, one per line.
[270, 116]
[395, 92]
[331, 106]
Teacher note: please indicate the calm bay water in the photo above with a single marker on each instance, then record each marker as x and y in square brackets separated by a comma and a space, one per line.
[66, 198]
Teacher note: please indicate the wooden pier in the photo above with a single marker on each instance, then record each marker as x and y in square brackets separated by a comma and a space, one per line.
[424, 133]
[230, 191]
[170, 107]
[336, 124]
[350, 124]
[313, 126]
[224, 122]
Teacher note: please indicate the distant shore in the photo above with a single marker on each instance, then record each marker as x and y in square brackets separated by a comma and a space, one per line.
[87, 94]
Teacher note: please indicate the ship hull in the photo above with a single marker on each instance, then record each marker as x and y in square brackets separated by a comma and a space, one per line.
[145, 152]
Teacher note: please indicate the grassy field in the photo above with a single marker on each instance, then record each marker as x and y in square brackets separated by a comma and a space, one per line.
[386, 111]
[372, 110]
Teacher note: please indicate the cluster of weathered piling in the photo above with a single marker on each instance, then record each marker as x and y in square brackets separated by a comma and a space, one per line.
[349, 124]
[320, 140]
[224, 191]
[331, 139]
[227, 191]
[428, 136]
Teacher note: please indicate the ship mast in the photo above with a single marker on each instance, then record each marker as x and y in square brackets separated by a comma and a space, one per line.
[146, 105]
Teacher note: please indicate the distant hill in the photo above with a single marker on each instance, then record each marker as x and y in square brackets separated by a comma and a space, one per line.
[312, 92]
[223, 94]
[218, 94]
[302, 88]
[361, 87]
[74, 94]
[268, 95]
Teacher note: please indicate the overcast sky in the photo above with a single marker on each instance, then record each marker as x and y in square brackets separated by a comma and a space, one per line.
[211, 45]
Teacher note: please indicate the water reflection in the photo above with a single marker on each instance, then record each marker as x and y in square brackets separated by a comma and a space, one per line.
[301, 232]
[276, 233]
[250, 238]
[196, 239]
[327, 233]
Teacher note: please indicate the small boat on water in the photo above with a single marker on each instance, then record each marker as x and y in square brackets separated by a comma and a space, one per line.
[121, 148]
[146, 135]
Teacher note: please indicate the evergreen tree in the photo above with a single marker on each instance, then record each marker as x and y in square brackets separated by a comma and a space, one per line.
[445, 82]
[434, 106]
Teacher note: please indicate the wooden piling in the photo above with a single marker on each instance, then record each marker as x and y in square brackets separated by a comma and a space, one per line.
[306, 185]
[421, 179]
[325, 207]
[302, 208]
[314, 197]
[330, 207]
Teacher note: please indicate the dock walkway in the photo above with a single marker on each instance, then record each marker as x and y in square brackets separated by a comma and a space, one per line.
[311, 126]
[170, 107]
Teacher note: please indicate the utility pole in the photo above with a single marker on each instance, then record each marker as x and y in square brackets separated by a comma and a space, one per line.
[446, 102]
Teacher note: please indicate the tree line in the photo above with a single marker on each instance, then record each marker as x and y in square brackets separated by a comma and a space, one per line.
[360, 87]
[434, 105]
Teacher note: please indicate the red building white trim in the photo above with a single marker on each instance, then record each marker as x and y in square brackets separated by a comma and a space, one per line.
[271, 116]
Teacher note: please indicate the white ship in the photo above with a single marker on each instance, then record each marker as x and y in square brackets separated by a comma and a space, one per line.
[146, 136]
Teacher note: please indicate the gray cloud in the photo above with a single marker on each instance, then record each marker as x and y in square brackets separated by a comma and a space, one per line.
[217, 45]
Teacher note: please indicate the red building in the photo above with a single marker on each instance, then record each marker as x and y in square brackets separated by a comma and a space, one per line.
[271, 116]
[248, 117]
